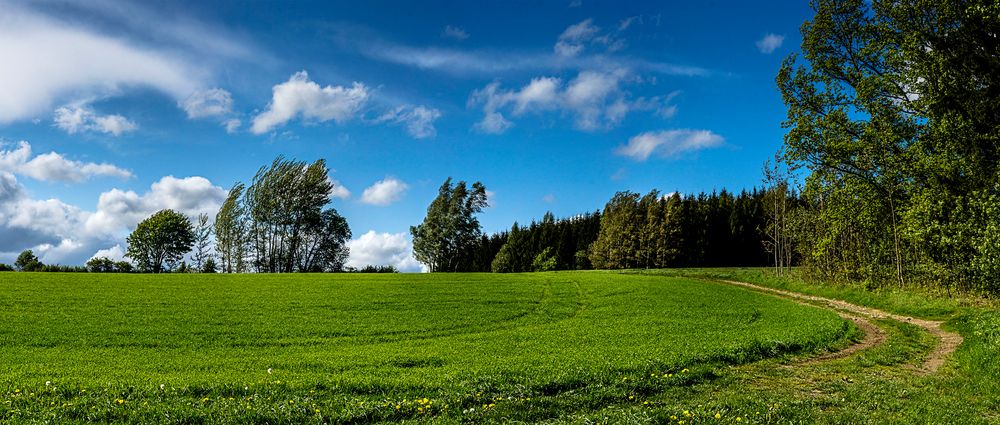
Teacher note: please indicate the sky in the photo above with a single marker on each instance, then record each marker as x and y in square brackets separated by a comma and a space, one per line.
[113, 110]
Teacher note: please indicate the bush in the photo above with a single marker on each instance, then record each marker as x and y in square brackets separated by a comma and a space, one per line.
[545, 261]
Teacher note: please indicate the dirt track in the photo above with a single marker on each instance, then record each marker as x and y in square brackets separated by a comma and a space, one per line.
[947, 341]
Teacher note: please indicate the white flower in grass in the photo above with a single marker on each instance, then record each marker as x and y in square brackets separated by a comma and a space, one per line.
[161, 386]
[47, 383]
[269, 371]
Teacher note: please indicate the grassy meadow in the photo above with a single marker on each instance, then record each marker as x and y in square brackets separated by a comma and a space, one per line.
[667, 346]
[337, 348]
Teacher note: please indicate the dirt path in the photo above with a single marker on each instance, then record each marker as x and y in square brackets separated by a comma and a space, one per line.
[947, 341]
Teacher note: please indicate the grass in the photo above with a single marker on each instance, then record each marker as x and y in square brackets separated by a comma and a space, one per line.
[662, 346]
[571, 347]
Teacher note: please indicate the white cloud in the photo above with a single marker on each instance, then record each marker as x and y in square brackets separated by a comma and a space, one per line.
[492, 62]
[81, 118]
[491, 198]
[62, 233]
[493, 123]
[669, 143]
[231, 125]
[339, 190]
[49, 60]
[453, 32]
[383, 249]
[54, 167]
[419, 120]
[575, 39]
[624, 24]
[300, 96]
[770, 43]
[595, 99]
[572, 40]
[207, 103]
[118, 210]
[115, 253]
[384, 192]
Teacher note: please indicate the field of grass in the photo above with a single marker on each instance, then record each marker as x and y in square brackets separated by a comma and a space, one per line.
[565, 347]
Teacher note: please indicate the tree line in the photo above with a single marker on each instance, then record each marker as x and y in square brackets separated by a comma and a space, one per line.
[633, 231]
[893, 117]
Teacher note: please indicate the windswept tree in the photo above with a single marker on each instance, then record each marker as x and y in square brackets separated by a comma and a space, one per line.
[159, 242]
[284, 203]
[450, 227]
[324, 243]
[230, 232]
[202, 241]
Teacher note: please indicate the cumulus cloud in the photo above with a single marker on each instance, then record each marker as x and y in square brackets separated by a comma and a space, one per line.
[383, 249]
[453, 32]
[339, 190]
[63, 233]
[669, 143]
[115, 253]
[118, 209]
[419, 120]
[384, 192]
[55, 59]
[301, 97]
[770, 43]
[595, 99]
[54, 167]
[207, 103]
[81, 118]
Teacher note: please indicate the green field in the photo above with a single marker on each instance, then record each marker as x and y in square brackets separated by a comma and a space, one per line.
[349, 348]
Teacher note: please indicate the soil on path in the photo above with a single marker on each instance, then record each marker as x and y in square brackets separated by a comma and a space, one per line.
[947, 341]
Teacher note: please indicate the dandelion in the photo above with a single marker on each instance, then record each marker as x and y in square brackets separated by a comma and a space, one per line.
[291, 401]
[718, 415]
[120, 401]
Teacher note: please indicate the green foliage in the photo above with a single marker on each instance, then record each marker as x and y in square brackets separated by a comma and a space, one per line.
[373, 269]
[545, 261]
[656, 231]
[894, 114]
[100, 265]
[159, 242]
[324, 243]
[6, 268]
[28, 262]
[124, 267]
[231, 237]
[209, 266]
[450, 227]
[286, 220]
[202, 239]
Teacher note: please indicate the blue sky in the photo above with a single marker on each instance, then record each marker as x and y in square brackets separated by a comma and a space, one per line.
[113, 110]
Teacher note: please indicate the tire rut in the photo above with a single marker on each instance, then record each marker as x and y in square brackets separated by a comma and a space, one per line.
[948, 341]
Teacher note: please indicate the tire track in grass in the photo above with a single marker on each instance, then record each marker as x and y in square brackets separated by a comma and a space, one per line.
[948, 341]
